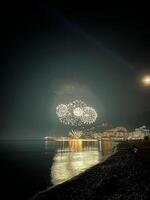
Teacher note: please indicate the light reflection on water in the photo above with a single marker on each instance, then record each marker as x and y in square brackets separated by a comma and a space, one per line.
[75, 156]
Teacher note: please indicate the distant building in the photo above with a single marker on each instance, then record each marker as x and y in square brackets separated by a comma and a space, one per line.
[116, 133]
[139, 133]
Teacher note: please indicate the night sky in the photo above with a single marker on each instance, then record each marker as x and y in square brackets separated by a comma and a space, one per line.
[54, 53]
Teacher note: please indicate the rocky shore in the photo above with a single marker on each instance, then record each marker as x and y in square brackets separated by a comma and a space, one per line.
[125, 176]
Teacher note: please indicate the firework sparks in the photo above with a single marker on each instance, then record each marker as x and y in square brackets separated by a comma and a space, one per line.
[61, 110]
[89, 115]
[76, 113]
[75, 134]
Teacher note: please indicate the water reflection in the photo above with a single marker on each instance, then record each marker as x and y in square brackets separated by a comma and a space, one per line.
[75, 156]
[75, 145]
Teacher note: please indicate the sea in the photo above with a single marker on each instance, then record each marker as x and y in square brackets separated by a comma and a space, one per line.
[30, 166]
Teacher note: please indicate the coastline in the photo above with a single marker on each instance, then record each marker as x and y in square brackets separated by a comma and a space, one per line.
[124, 175]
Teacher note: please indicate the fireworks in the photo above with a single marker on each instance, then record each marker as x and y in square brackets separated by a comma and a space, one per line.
[76, 113]
[75, 134]
[89, 115]
[61, 110]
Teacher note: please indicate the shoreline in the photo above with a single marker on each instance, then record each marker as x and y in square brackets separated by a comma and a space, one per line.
[123, 175]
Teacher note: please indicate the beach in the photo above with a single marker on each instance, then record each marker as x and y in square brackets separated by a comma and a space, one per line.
[124, 175]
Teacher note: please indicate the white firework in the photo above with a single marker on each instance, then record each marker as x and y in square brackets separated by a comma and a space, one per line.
[75, 109]
[89, 115]
[61, 110]
[76, 113]
[77, 106]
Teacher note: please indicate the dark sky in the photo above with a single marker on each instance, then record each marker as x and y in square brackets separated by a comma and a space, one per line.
[54, 53]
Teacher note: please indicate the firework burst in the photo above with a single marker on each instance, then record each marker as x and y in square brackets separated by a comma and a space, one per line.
[61, 110]
[76, 113]
[89, 115]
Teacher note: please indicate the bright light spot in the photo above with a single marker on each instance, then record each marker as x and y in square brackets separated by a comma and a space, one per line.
[78, 112]
[146, 80]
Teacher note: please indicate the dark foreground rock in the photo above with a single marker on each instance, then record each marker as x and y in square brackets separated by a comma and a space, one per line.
[125, 175]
